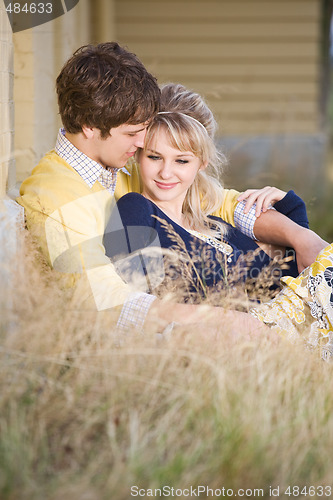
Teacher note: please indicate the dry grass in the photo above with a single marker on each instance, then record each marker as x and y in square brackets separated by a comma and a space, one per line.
[83, 418]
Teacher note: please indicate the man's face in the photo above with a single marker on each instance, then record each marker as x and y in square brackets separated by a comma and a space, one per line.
[119, 146]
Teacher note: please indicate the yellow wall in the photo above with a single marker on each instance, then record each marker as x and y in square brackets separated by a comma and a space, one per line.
[256, 61]
[39, 54]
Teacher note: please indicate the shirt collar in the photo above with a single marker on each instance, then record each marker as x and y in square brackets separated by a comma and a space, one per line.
[90, 170]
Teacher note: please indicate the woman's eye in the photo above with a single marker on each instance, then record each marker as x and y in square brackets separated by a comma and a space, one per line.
[153, 157]
[182, 162]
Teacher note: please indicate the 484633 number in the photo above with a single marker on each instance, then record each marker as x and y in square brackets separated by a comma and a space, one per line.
[29, 8]
[309, 491]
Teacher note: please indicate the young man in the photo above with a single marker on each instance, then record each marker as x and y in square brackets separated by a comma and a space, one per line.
[106, 98]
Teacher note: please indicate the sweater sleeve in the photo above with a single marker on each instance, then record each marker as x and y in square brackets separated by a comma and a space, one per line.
[74, 241]
[66, 219]
[293, 207]
[227, 210]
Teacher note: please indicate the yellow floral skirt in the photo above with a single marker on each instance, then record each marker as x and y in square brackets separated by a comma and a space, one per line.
[303, 309]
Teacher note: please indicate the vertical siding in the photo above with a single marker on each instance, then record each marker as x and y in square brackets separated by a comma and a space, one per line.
[256, 61]
[7, 167]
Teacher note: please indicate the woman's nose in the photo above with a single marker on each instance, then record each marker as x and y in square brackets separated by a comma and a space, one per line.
[165, 171]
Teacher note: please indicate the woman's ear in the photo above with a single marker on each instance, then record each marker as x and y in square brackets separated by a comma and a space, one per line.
[204, 166]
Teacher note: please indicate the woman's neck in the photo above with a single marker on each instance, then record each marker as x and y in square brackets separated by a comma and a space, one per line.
[172, 210]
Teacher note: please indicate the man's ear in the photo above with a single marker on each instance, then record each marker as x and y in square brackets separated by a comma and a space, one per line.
[88, 132]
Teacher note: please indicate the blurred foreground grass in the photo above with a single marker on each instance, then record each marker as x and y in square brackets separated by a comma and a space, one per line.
[83, 417]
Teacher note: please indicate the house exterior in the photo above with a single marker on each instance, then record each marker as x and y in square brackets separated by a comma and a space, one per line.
[258, 63]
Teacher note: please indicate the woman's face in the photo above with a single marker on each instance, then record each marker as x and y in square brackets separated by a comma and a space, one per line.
[167, 173]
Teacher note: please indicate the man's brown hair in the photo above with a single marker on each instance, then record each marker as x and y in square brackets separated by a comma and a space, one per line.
[105, 86]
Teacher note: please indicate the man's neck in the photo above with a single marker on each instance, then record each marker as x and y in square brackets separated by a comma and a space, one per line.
[83, 144]
[79, 141]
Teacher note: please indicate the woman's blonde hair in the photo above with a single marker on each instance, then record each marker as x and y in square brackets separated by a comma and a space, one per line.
[176, 97]
[187, 133]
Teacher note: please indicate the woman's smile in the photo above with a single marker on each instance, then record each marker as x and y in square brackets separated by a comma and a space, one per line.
[165, 185]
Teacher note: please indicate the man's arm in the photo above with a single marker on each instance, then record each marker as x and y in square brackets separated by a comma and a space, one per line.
[275, 228]
[207, 320]
[287, 203]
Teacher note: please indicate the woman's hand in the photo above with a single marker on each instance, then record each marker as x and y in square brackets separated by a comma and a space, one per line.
[262, 197]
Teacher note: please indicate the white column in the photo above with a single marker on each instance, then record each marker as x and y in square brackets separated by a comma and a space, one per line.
[7, 165]
[45, 123]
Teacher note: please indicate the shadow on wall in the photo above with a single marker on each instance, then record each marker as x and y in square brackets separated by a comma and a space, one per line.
[286, 161]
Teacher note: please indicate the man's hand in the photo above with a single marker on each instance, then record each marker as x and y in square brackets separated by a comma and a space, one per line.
[262, 197]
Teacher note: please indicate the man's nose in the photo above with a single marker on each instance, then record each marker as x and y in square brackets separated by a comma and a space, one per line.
[140, 138]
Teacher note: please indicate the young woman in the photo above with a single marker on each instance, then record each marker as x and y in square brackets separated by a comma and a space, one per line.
[179, 158]
[178, 99]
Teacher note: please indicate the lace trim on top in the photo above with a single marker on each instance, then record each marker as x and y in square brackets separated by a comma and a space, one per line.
[221, 246]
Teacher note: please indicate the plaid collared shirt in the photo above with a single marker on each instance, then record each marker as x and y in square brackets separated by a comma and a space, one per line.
[245, 222]
[135, 308]
[90, 170]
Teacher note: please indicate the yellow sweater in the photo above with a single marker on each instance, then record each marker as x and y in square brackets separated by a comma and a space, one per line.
[68, 219]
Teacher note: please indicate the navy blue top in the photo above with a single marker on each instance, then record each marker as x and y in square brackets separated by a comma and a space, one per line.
[137, 223]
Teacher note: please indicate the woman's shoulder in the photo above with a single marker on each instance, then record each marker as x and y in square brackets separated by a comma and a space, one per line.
[132, 197]
[135, 209]
[134, 200]
[139, 202]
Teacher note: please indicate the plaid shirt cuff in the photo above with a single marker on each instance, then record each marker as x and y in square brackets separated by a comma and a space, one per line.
[134, 312]
[245, 222]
